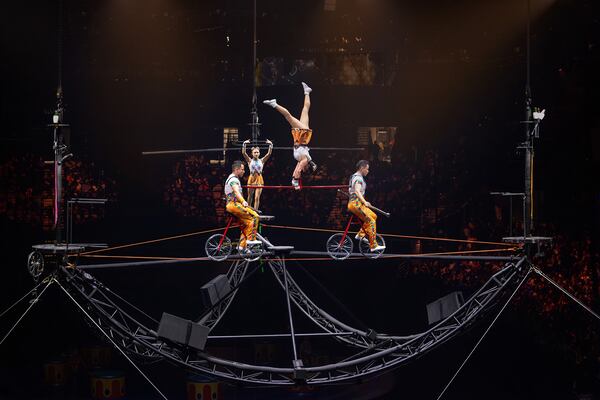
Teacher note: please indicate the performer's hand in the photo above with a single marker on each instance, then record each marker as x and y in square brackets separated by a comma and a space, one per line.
[368, 205]
[245, 203]
[247, 141]
[269, 142]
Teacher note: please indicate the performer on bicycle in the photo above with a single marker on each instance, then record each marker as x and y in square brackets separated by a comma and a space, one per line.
[359, 206]
[238, 207]
[255, 167]
[301, 134]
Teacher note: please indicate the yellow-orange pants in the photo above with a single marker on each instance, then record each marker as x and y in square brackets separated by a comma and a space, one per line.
[368, 218]
[248, 219]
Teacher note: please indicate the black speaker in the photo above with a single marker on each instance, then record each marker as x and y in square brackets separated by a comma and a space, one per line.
[444, 307]
[215, 290]
[183, 331]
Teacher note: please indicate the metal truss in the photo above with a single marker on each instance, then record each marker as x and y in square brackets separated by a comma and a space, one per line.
[235, 275]
[376, 354]
[324, 320]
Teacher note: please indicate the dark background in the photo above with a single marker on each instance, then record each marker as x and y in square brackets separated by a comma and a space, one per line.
[171, 74]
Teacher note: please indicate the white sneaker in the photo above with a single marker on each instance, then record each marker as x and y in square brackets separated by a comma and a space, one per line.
[296, 184]
[241, 249]
[306, 88]
[377, 248]
[272, 103]
[358, 237]
[252, 242]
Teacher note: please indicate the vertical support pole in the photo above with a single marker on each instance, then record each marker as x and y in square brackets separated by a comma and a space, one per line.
[68, 225]
[510, 226]
[287, 296]
[528, 216]
[254, 113]
[58, 142]
[57, 185]
[525, 229]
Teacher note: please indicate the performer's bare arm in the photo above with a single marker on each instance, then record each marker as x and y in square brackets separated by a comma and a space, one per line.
[266, 157]
[238, 195]
[357, 187]
[246, 156]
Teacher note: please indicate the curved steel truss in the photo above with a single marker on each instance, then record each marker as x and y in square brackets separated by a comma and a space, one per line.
[376, 353]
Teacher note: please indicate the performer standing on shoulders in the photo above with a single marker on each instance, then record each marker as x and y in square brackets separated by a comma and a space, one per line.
[301, 134]
[359, 206]
[238, 207]
[255, 167]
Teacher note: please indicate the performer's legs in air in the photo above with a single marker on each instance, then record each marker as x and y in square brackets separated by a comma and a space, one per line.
[304, 118]
[306, 106]
[293, 121]
[301, 123]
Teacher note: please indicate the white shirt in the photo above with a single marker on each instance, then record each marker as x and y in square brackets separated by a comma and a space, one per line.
[354, 179]
[229, 183]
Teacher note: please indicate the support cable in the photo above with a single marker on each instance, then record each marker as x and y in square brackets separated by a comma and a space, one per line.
[26, 311]
[153, 241]
[131, 305]
[300, 228]
[556, 285]
[110, 339]
[87, 253]
[484, 334]
[21, 299]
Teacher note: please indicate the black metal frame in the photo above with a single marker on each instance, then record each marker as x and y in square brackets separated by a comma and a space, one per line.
[376, 354]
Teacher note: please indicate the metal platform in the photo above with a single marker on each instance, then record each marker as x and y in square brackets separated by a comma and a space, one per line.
[281, 250]
[52, 248]
[527, 239]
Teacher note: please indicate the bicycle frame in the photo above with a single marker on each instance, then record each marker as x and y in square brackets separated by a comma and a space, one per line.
[346, 230]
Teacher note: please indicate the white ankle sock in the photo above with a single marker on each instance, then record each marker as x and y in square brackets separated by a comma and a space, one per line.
[306, 88]
[272, 103]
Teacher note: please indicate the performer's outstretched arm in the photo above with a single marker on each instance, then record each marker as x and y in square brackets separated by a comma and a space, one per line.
[244, 153]
[266, 157]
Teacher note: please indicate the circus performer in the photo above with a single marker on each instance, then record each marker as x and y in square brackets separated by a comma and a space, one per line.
[255, 167]
[301, 133]
[360, 207]
[238, 207]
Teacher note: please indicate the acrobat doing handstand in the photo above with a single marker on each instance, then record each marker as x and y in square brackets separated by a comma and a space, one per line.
[301, 133]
